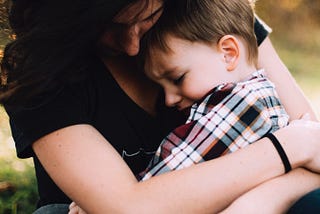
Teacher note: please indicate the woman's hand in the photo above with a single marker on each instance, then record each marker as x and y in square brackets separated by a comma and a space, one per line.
[300, 140]
[309, 131]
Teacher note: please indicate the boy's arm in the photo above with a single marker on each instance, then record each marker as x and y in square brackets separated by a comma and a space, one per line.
[277, 195]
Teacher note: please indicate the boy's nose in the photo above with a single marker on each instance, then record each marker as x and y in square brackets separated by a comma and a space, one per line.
[172, 99]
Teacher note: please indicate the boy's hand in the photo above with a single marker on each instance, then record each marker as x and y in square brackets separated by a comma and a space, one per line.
[75, 209]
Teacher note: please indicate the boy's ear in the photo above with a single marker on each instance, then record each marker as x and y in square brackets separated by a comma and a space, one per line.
[229, 46]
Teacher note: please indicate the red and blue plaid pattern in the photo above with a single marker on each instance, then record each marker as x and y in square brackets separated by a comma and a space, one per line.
[231, 117]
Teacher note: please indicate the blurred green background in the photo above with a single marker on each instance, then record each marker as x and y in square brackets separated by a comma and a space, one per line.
[296, 37]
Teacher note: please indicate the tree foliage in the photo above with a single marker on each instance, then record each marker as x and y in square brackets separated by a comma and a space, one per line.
[5, 32]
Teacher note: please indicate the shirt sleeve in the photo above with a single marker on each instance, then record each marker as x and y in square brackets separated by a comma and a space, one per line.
[28, 124]
[261, 30]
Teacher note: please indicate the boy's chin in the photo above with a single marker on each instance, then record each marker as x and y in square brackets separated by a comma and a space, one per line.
[185, 111]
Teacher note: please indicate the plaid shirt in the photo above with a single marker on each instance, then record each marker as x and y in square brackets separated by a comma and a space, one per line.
[231, 117]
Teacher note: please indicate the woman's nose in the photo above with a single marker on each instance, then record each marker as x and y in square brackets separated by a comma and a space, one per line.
[131, 41]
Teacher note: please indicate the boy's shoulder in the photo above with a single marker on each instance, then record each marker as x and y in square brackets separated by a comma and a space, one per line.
[256, 81]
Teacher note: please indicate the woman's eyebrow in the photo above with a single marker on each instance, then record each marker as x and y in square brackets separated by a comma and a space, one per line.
[153, 14]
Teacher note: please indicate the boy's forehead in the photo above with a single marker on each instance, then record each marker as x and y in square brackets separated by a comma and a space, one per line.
[161, 64]
[138, 11]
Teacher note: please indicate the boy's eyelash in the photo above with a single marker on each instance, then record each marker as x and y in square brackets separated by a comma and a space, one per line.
[178, 80]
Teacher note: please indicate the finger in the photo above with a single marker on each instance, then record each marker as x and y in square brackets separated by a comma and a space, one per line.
[74, 210]
[306, 116]
[73, 204]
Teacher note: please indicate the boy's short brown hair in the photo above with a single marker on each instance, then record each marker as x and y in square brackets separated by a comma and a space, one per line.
[204, 21]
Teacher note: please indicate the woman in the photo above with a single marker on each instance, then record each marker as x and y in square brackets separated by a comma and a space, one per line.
[74, 112]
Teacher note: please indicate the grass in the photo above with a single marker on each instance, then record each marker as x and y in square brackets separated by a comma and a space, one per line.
[18, 192]
[20, 195]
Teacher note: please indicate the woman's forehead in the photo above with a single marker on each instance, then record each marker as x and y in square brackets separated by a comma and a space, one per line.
[139, 10]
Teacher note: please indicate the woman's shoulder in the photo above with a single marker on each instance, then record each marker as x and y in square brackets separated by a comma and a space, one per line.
[70, 104]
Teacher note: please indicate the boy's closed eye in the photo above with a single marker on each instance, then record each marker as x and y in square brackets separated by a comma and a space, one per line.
[178, 80]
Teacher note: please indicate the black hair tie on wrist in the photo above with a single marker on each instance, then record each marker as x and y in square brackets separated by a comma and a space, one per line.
[280, 150]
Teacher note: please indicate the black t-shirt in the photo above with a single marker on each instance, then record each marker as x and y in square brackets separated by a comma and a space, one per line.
[100, 102]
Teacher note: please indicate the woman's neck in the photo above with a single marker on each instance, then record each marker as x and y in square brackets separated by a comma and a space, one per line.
[133, 82]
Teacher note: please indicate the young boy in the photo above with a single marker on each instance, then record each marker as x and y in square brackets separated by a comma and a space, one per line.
[204, 55]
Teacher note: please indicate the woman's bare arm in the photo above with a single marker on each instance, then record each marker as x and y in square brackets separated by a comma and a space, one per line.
[86, 167]
[296, 104]
[277, 195]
